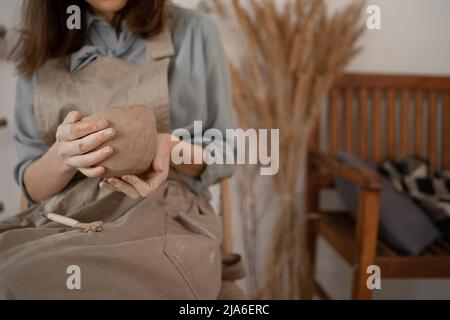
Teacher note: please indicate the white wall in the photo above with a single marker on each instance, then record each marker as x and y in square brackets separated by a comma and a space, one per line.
[414, 39]
[9, 193]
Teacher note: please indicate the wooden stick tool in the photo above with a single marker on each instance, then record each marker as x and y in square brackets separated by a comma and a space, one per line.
[92, 227]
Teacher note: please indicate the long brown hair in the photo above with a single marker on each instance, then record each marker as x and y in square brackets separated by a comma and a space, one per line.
[43, 33]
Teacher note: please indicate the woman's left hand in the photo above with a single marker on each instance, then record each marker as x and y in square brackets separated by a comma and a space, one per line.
[147, 184]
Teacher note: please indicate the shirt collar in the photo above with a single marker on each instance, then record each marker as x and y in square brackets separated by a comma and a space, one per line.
[100, 41]
[92, 18]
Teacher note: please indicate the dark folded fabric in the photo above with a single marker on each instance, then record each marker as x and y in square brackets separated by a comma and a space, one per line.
[404, 226]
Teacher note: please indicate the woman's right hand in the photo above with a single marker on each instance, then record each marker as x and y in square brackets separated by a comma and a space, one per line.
[78, 142]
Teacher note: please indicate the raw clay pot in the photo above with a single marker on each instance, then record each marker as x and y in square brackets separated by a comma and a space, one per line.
[135, 141]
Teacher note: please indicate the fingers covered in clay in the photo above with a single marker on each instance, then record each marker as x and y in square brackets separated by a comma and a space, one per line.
[142, 187]
[90, 159]
[74, 131]
[73, 117]
[156, 178]
[80, 140]
[161, 163]
[86, 144]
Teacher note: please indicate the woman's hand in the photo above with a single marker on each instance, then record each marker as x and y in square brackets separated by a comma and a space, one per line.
[76, 142]
[148, 183]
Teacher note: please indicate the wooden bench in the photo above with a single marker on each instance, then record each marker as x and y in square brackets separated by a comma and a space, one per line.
[377, 117]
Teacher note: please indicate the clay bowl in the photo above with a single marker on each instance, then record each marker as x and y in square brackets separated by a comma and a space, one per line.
[135, 141]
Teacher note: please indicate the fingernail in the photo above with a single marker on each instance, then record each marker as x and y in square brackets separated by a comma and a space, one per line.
[76, 116]
[109, 150]
[110, 132]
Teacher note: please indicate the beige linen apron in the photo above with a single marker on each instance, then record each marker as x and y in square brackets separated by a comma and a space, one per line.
[166, 246]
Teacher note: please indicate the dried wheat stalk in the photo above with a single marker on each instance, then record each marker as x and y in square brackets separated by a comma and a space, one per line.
[2, 42]
[292, 57]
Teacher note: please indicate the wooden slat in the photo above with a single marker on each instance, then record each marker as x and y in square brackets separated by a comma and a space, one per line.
[348, 122]
[314, 141]
[414, 267]
[334, 122]
[418, 127]
[361, 175]
[404, 124]
[366, 242]
[363, 126]
[390, 118]
[432, 125]
[394, 81]
[377, 123]
[446, 131]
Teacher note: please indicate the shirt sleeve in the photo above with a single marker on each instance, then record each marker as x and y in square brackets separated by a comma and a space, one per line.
[29, 145]
[218, 104]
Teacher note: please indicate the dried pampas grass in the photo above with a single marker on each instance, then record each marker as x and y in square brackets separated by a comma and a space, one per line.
[292, 56]
[2, 42]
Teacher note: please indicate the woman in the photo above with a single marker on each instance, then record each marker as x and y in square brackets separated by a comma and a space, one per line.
[161, 239]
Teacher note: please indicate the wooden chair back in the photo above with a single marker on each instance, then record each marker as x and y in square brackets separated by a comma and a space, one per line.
[388, 117]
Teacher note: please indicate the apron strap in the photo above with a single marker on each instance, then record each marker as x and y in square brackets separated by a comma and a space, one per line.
[160, 47]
